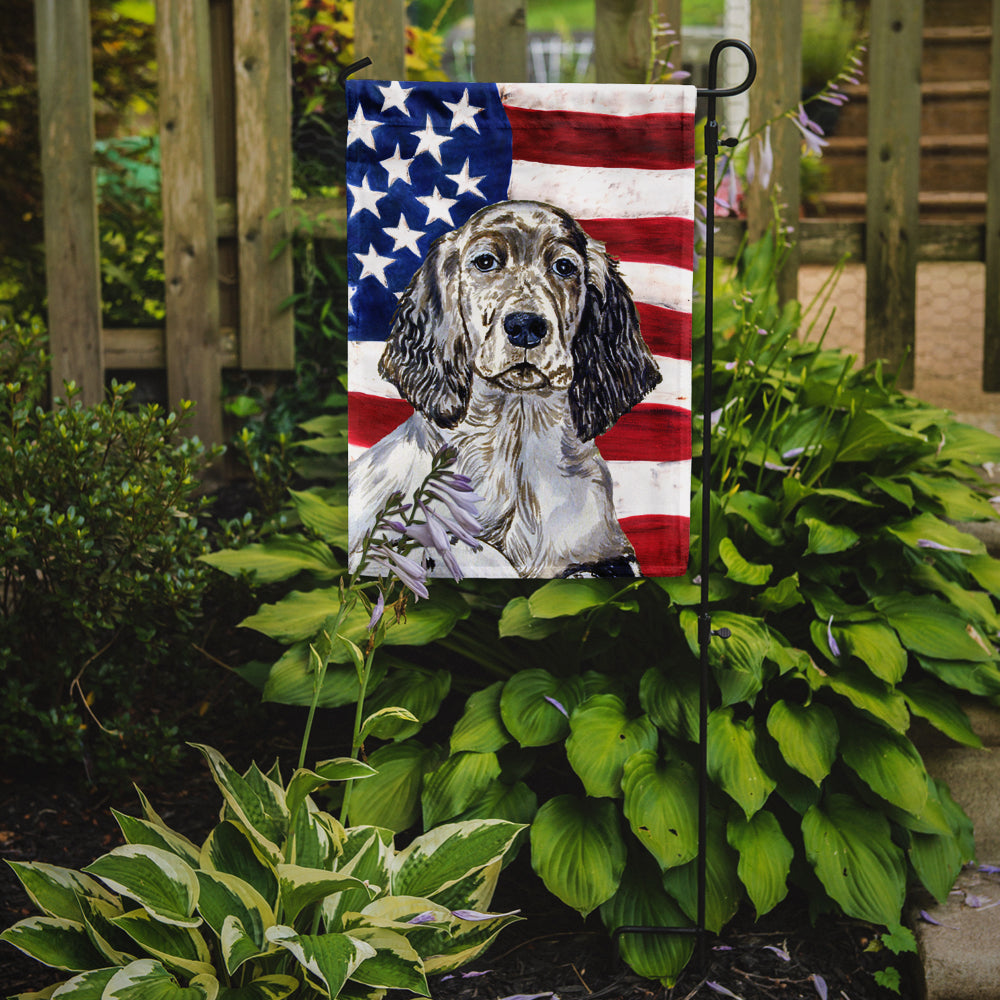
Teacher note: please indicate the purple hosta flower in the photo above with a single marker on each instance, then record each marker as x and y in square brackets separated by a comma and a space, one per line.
[834, 648]
[432, 534]
[927, 918]
[559, 705]
[719, 988]
[377, 612]
[780, 952]
[465, 975]
[475, 915]
[761, 164]
[811, 132]
[455, 492]
[727, 198]
[383, 560]
[531, 996]
[427, 917]
[927, 543]
[820, 984]
[990, 869]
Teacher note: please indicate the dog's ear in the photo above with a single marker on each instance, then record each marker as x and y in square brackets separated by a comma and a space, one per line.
[613, 368]
[427, 354]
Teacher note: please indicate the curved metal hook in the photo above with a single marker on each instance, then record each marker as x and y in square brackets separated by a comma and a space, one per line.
[713, 69]
[348, 70]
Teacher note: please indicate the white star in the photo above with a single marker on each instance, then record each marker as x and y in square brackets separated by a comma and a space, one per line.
[463, 113]
[430, 141]
[397, 168]
[395, 97]
[467, 184]
[403, 236]
[373, 264]
[364, 197]
[438, 207]
[351, 289]
[360, 128]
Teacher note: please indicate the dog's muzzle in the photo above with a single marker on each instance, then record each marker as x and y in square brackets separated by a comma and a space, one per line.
[525, 329]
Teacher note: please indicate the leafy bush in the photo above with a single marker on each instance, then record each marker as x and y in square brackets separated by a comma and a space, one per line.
[99, 539]
[279, 899]
[854, 603]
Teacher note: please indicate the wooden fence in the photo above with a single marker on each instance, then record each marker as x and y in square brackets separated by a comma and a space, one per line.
[226, 160]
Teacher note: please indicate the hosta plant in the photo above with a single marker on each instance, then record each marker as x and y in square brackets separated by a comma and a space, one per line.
[279, 900]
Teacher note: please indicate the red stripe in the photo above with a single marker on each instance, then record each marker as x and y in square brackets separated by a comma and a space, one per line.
[370, 418]
[660, 542]
[667, 332]
[649, 240]
[649, 433]
[583, 139]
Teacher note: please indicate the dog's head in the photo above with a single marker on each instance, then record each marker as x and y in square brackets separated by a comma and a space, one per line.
[522, 297]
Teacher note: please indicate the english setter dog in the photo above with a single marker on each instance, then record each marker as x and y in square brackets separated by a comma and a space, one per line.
[516, 342]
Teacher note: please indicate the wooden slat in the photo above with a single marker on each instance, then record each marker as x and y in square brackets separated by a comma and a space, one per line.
[190, 254]
[72, 257]
[621, 40]
[501, 41]
[991, 332]
[893, 184]
[776, 36]
[380, 34]
[144, 348]
[262, 61]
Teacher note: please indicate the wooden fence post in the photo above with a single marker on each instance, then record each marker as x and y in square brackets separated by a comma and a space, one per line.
[380, 34]
[501, 41]
[893, 183]
[262, 60]
[190, 251]
[622, 40]
[72, 255]
[991, 333]
[776, 34]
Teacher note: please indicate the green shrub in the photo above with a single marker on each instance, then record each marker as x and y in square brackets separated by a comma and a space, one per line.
[99, 540]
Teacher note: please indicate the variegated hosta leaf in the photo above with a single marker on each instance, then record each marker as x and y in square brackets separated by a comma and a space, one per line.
[230, 849]
[54, 941]
[481, 727]
[87, 986]
[602, 737]
[149, 980]
[177, 947]
[328, 959]
[304, 782]
[116, 946]
[807, 736]
[225, 897]
[468, 939]
[732, 760]
[456, 784]
[578, 851]
[300, 887]
[275, 987]
[56, 891]
[850, 847]
[366, 855]
[475, 891]
[661, 800]
[315, 839]
[765, 858]
[441, 857]
[395, 964]
[141, 831]
[158, 880]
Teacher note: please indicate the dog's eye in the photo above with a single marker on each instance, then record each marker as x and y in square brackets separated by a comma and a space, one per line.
[485, 262]
[565, 267]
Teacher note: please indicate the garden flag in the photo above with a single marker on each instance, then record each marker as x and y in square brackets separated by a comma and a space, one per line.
[520, 280]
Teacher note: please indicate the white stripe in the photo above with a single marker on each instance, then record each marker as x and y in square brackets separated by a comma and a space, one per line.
[604, 192]
[675, 389]
[362, 369]
[651, 488]
[606, 99]
[658, 284]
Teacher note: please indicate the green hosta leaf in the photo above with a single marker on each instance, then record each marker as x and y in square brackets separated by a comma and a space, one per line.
[850, 847]
[888, 763]
[141, 831]
[870, 435]
[417, 690]
[876, 646]
[147, 979]
[641, 901]
[516, 803]
[54, 941]
[941, 709]
[723, 889]
[56, 891]
[738, 661]
[456, 784]
[986, 571]
[441, 857]
[732, 760]
[527, 711]
[976, 605]
[958, 502]
[559, 598]
[159, 881]
[893, 488]
[932, 628]
[865, 692]
[928, 528]
[292, 681]
[937, 859]
[327, 520]
[827, 539]
[965, 443]
[661, 799]
[517, 620]
[671, 700]
[391, 798]
[279, 558]
[330, 959]
[275, 987]
[807, 736]
[602, 738]
[395, 964]
[751, 574]
[230, 849]
[301, 887]
[976, 678]
[225, 897]
[783, 595]
[765, 858]
[578, 851]
[481, 728]
[180, 948]
[758, 511]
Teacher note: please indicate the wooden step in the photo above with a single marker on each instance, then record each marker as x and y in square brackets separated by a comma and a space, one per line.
[945, 103]
[958, 206]
[956, 53]
[945, 12]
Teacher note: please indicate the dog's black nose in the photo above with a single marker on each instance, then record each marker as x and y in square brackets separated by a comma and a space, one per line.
[525, 329]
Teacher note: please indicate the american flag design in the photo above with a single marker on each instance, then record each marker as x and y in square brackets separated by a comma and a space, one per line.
[422, 158]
